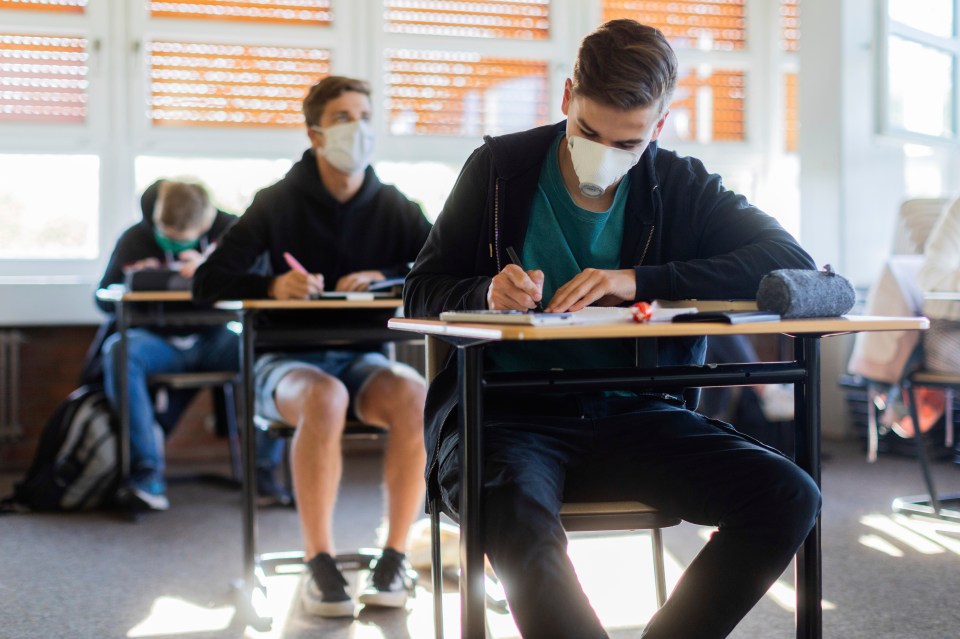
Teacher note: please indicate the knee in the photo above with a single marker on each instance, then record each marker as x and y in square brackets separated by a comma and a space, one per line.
[797, 500]
[312, 399]
[394, 397]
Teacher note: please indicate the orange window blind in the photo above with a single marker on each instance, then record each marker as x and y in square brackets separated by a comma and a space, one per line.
[511, 19]
[462, 93]
[790, 25]
[62, 6]
[792, 128]
[721, 94]
[205, 84]
[43, 79]
[314, 12]
[717, 25]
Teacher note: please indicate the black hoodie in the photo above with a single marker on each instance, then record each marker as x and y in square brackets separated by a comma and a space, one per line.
[378, 229]
[138, 243]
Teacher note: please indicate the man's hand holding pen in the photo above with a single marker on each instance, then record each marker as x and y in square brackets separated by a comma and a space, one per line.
[514, 289]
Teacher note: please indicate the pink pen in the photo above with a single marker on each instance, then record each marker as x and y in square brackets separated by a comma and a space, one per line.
[293, 263]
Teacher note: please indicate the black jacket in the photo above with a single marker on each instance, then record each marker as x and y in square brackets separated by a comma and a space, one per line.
[685, 236]
[137, 242]
[378, 229]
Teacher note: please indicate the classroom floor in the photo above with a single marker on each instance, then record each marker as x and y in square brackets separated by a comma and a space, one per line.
[96, 576]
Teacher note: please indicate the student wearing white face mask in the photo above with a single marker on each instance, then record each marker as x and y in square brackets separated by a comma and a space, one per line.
[599, 215]
[330, 224]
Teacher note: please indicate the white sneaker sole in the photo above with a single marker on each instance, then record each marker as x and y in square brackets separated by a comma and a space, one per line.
[384, 599]
[151, 501]
[312, 605]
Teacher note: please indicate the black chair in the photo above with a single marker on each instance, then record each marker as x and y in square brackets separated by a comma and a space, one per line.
[932, 504]
[224, 385]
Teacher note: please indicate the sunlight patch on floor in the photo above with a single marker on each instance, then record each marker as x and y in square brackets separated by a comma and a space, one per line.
[876, 542]
[899, 532]
[173, 617]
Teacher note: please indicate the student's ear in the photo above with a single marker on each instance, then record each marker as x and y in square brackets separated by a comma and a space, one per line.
[567, 96]
[316, 138]
[657, 129]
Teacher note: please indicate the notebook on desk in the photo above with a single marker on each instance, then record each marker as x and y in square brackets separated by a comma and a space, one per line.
[589, 315]
[353, 296]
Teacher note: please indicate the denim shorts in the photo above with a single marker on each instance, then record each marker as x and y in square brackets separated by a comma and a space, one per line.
[353, 368]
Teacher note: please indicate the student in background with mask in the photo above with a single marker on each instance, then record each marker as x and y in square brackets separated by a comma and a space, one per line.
[330, 224]
[180, 226]
[599, 215]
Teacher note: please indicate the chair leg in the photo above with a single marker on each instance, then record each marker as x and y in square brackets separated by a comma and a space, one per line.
[436, 568]
[658, 566]
[921, 449]
[949, 437]
[233, 437]
[873, 428]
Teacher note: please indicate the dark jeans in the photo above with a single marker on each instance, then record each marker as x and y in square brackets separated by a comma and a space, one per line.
[539, 450]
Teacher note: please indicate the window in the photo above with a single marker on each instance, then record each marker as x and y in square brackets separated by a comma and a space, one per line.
[463, 93]
[45, 122]
[708, 106]
[43, 78]
[920, 67]
[717, 25]
[40, 222]
[313, 12]
[206, 84]
[507, 19]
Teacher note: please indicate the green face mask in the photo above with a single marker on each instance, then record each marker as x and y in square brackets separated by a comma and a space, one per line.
[170, 245]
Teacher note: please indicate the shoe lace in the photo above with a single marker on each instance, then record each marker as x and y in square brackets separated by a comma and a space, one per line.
[326, 574]
[386, 570]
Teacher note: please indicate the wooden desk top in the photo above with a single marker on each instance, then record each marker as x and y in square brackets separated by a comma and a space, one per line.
[279, 305]
[120, 294]
[509, 332]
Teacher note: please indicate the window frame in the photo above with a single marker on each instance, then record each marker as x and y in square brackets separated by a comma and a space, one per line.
[887, 28]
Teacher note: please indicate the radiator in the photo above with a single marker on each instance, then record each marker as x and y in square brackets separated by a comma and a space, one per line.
[10, 427]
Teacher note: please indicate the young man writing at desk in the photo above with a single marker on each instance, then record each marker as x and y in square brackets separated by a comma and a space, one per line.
[180, 226]
[331, 224]
[598, 214]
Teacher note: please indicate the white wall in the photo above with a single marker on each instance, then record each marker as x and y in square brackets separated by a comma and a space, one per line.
[851, 180]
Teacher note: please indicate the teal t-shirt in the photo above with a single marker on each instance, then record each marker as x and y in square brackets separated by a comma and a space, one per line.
[563, 239]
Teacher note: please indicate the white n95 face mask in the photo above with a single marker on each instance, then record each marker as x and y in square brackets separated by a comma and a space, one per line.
[598, 165]
[347, 146]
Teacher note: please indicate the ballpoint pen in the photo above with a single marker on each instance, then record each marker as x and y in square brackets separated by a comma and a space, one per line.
[514, 258]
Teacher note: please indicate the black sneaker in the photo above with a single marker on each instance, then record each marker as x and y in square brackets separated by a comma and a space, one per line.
[323, 591]
[391, 580]
[270, 492]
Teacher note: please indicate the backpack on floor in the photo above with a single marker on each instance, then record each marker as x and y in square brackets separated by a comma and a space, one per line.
[75, 466]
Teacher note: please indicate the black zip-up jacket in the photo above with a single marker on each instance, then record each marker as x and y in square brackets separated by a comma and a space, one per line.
[378, 229]
[138, 243]
[685, 236]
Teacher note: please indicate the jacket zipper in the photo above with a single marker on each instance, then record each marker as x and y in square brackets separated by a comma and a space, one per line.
[653, 227]
[495, 249]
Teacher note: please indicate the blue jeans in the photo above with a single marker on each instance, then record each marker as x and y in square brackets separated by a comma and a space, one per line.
[215, 349]
[539, 451]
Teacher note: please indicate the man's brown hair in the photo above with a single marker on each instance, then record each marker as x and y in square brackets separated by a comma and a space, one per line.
[327, 89]
[183, 206]
[626, 64]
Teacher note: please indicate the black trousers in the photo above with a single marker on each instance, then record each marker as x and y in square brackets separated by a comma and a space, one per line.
[537, 450]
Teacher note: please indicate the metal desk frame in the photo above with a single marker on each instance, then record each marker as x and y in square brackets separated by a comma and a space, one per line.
[155, 313]
[252, 586]
[803, 372]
